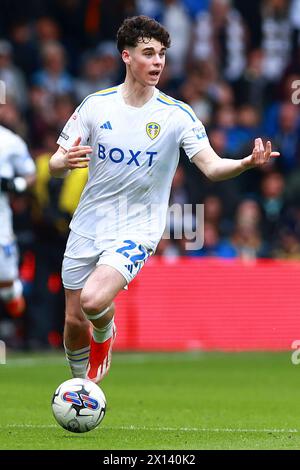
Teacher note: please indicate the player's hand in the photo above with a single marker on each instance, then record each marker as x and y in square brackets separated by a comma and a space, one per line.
[76, 156]
[260, 155]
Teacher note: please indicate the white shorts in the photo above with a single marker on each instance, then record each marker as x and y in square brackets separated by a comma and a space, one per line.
[82, 255]
[9, 259]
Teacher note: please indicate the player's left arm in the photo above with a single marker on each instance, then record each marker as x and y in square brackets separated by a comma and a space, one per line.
[218, 169]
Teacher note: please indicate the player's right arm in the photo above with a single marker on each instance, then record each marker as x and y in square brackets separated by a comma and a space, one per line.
[63, 161]
[71, 152]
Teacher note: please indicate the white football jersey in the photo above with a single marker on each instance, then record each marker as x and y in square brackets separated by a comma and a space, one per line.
[15, 160]
[135, 155]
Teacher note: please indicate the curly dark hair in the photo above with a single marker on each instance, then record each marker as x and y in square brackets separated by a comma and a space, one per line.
[141, 28]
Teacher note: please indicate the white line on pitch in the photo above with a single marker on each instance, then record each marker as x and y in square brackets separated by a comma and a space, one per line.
[170, 429]
[134, 358]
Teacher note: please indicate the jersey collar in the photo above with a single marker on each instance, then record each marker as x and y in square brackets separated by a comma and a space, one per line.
[121, 99]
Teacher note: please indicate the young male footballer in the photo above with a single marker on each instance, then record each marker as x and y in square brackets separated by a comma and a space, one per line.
[129, 136]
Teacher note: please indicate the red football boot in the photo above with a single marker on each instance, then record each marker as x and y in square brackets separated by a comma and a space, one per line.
[100, 358]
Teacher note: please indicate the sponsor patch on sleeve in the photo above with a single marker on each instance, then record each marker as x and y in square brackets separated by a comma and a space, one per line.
[199, 132]
[64, 136]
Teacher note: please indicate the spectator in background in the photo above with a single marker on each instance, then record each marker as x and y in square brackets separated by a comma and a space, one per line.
[247, 239]
[204, 89]
[236, 137]
[11, 118]
[220, 33]
[251, 87]
[25, 47]
[91, 77]
[47, 113]
[234, 129]
[194, 92]
[273, 203]
[13, 78]
[40, 115]
[152, 8]
[99, 70]
[287, 246]
[112, 14]
[295, 21]
[180, 217]
[196, 6]
[200, 187]
[226, 119]
[250, 12]
[276, 38]
[75, 19]
[47, 30]
[108, 56]
[214, 214]
[214, 245]
[53, 75]
[169, 249]
[218, 138]
[63, 106]
[283, 94]
[179, 191]
[292, 193]
[167, 85]
[287, 137]
[220, 93]
[213, 209]
[13, 11]
[178, 23]
[241, 134]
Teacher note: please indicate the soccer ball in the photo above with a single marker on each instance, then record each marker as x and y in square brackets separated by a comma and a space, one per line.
[78, 405]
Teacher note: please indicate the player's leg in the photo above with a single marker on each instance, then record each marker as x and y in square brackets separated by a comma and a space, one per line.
[77, 334]
[79, 261]
[11, 289]
[97, 297]
[11, 294]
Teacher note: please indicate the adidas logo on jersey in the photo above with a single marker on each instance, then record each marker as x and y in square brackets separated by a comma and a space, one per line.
[106, 125]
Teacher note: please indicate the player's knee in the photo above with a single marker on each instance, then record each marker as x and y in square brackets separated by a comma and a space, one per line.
[93, 303]
[76, 322]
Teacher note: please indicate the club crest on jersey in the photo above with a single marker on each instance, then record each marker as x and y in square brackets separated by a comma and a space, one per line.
[152, 129]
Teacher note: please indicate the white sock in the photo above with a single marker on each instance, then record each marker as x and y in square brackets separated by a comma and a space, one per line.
[102, 334]
[78, 361]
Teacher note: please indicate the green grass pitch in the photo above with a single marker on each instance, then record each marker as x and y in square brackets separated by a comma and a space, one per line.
[160, 401]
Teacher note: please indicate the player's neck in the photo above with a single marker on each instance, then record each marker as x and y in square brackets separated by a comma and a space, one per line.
[134, 94]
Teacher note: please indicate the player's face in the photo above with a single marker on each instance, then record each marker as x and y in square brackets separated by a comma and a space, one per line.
[147, 61]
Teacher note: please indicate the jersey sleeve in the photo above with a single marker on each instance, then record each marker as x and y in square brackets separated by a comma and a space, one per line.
[191, 135]
[21, 159]
[77, 126]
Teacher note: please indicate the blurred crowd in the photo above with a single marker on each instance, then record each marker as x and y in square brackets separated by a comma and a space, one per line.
[236, 63]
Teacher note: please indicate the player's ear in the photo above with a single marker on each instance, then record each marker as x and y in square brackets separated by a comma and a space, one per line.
[126, 57]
